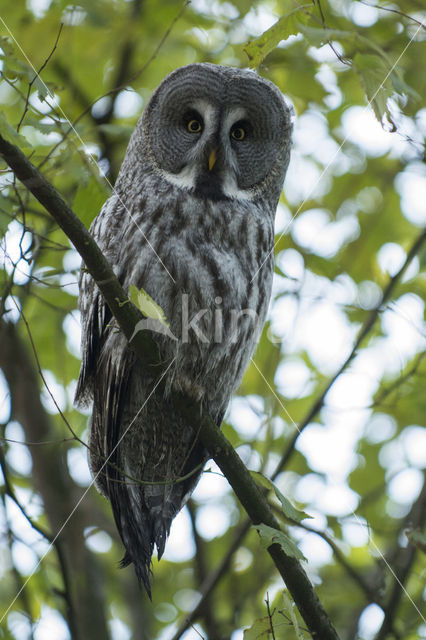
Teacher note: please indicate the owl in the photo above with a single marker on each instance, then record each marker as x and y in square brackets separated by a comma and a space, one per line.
[191, 222]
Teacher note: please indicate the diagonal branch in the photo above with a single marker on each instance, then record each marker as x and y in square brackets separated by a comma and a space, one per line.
[84, 610]
[24, 596]
[212, 579]
[127, 316]
[206, 610]
[125, 313]
[362, 334]
[119, 82]
[402, 560]
[122, 80]
[394, 10]
[57, 544]
[30, 85]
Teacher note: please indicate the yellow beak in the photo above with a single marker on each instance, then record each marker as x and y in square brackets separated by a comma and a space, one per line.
[212, 159]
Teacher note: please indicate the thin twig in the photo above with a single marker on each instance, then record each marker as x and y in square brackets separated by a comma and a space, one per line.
[116, 89]
[207, 611]
[10, 492]
[372, 594]
[400, 562]
[212, 579]
[40, 372]
[11, 536]
[30, 86]
[343, 60]
[84, 606]
[392, 10]
[36, 444]
[12, 85]
[396, 384]
[268, 609]
[362, 334]
[53, 540]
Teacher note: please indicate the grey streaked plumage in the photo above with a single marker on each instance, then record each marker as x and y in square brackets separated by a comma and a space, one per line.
[191, 221]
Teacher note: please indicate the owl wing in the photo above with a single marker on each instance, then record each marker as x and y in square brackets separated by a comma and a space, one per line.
[95, 314]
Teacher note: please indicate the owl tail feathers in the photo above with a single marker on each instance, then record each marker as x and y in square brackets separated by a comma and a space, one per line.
[140, 530]
[142, 569]
[161, 531]
[135, 531]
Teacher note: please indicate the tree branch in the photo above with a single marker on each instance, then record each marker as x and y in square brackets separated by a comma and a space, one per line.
[85, 613]
[212, 580]
[119, 82]
[206, 611]
[402, 560]
[398, 561]
[369, 590]
[362, 334]
[19, 582]
[127, 316]
[393, 10]
[125, 313]
[30, 85]
[123, 79]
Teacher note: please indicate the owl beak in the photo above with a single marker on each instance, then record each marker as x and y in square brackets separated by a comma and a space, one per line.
[212, 159]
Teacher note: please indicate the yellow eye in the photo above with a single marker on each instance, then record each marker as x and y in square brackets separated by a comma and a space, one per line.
[238, 133]
[194, 126]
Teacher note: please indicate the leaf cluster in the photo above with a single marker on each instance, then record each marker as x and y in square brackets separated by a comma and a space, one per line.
[329, 63]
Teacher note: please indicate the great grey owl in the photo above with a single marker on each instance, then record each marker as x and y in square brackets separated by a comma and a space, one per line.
[191, 221]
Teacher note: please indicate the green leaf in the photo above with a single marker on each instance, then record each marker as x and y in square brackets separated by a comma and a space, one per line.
[43, 127]
[117, 130]
[270, 536]
[380, 80]
[417, 538]
[4, 221]
[375, 81]
[5, 214]
[378, 76]
[88, 201]
[287, 25]
[262, 480]
[9, 133]
[6, 46]
[260, 629]
[42, 89]
[143, 301]
[289, 511]
[318, 36]
[289, 609]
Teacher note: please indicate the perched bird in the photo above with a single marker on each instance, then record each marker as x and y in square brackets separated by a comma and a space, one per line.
[190, 221]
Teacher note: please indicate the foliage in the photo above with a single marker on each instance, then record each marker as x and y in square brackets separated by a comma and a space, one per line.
[150, 309]
[350, 215]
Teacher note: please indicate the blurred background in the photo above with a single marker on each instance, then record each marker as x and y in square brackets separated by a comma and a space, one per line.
[333, 405]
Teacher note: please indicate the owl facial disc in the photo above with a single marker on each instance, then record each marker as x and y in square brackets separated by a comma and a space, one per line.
[219, 133]
[211, 169]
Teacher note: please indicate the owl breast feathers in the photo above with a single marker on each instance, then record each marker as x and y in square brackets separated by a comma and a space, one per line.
[191, 222]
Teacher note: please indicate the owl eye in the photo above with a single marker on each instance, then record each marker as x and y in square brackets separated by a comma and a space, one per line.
[194, 126]
[238, 133]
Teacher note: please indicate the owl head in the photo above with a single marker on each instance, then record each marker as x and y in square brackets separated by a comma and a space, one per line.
[218, 132]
